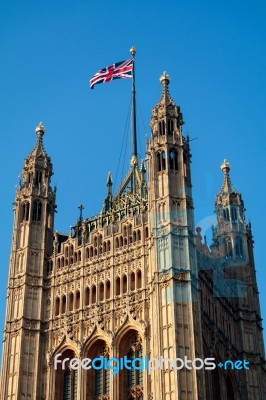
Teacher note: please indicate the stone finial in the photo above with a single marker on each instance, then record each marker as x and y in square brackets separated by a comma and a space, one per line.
[40, 129]
[225, 166]
[165, 79]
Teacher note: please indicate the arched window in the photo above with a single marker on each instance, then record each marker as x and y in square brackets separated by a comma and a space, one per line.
[234, 214]
[108, 290]
[100, 240]
[117, 286]
[131, 380]
[93, 294]
[124, 286]
[38, 178]
[77, 300]
[71, 250]
[228, 247]
[139, 283]
[162, 128]
[66, 381]
[87, 296]
[226, 214]
[25, 211]
[101, 291]
[125, 231]
[170, 126]
[173, 160]
[37, 211]
[161, 161]
[71, 301]
[108, 245]
[132, 281]
[238, 247]
[63, 305]
[49, 216]
[98, 379]
[57, 306]
[116, 243]
[146, 232]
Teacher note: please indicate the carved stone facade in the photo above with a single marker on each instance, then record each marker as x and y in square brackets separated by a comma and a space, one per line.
[134, 281]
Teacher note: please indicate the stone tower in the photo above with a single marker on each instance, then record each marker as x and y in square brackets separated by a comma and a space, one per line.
[133, 281]
[32, 245]
[174, 267]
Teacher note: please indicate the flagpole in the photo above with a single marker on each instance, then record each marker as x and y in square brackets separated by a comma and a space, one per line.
[134, 159]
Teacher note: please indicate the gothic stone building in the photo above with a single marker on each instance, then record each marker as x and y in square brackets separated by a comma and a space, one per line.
[135, 281]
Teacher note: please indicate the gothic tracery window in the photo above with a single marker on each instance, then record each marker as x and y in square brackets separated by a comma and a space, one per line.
[98, 379]
[162, 128]
[170, 126]
[25, 211]
[131, 380]
[161, 161]
[38, 178]
[173, 160]
[37, 211]
[238, 246]
[66, 386]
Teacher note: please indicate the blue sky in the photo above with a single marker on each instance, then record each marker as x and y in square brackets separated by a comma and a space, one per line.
[215, 55]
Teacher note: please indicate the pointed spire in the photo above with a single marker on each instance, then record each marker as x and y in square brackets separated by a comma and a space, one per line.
[166, 110]
[39, 148]
[38, 159]
[143, 167]
[109, 184]
[165, 80]
[227, 187]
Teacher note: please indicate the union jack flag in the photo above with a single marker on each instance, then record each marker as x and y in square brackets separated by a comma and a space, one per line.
[122, 69]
